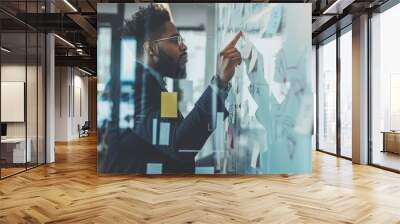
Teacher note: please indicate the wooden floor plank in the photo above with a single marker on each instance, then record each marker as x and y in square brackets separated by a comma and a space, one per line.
[71, 191]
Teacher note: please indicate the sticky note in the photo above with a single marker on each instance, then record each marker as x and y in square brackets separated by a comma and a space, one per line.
[128, 55]
[275, 20]
[204, 170]
[164, 133]
[219, 138]
[253, 60]
[169, 104]
[245, 47]
[154, 168]
[280, 67]
[305, 117]
[219, 132]
[257, 75]
[247, 50]
[154, 136]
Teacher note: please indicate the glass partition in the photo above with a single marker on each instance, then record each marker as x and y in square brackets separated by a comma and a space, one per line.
[385, 85]
[22, 89]
[260, 122]
[346, 94]
[327, 96]
[13, 109]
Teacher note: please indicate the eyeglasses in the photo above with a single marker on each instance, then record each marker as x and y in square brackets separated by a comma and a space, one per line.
[178, 40]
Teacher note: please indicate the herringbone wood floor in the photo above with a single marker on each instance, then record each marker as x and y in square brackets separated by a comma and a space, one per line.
[70, 191]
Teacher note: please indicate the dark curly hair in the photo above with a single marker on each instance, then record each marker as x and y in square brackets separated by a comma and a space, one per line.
[146, 24]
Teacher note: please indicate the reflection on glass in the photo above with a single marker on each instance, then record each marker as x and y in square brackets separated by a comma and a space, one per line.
[327, 97]
[22, 92]
[104, 75]
[128, 68]
[192, 87]
[14, 150]
[163, 108]
[346, 94]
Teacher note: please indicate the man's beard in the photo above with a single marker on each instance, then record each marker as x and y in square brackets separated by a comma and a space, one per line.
[166, 66]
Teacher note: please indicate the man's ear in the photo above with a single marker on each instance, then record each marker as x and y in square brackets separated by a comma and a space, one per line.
[150, 49]
[146, 48]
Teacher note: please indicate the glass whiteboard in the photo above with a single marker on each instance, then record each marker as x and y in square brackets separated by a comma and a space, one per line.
[12, 101]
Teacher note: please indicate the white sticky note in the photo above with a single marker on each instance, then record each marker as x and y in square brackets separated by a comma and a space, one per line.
[128, 56]
[305, 117]
[280, 91]
[220, 130]
[154, 140]
[204, 170]
[253, 60]
[219, 138]
[256, 76]
[274, 21]
[245, 47]
[280, 74]
[164, 133]
[154, 168]
[246, 50]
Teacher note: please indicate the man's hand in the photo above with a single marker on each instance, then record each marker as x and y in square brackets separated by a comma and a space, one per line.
[228, 59]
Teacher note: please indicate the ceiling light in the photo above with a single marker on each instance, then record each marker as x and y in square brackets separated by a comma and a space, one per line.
[338, 6]
[79, 51]
[5, 50]
[84, 71]
[331, 7]
[64, 40]
[70, 5]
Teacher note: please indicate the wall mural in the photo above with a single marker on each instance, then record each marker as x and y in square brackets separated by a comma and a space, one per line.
[204, 88]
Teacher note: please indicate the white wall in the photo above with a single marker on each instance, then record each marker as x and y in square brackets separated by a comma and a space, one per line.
[71, 94]
[80, 100]
[61, 103]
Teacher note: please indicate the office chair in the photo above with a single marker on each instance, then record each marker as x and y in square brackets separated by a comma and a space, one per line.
[84, 130]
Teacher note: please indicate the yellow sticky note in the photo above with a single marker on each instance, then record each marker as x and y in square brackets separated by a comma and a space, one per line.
[169, 104]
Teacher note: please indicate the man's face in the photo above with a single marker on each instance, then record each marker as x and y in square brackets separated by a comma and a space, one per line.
[171, 57]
